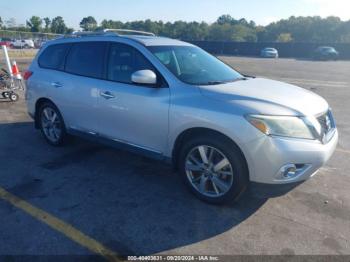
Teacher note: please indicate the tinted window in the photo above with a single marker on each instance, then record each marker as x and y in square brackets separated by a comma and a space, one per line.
[53, 56]
[86, 59]
[123, 61]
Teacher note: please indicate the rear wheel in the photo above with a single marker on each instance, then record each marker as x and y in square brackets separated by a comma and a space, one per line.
[52, 124]
[213, 168]
[13, 97]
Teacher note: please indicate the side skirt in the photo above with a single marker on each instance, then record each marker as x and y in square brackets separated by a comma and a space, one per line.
[120, 145]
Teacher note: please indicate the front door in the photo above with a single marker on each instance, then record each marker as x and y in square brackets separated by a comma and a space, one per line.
[130, 113]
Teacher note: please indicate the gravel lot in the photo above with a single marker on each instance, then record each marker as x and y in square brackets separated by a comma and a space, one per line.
[134, 205]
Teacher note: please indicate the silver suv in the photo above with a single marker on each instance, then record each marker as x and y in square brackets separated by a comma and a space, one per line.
[172, 101]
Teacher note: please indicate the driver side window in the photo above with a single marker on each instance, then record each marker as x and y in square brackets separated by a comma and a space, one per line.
[123, 61]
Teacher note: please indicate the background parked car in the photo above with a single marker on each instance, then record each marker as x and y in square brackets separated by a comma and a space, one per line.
[23, 43]
[326, 53]
[5, 41]
[38, 43]
[269, 52]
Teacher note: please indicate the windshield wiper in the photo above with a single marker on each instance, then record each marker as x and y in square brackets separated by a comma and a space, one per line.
[223, 82]
[214, 83]
[238, 79]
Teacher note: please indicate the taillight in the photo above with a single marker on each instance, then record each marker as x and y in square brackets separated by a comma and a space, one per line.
[27, 74]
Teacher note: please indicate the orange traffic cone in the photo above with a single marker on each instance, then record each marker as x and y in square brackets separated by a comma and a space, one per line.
[15, 70]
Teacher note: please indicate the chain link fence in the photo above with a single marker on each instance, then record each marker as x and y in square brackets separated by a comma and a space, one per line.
[293, 50]
[29, 40]
[25, 40]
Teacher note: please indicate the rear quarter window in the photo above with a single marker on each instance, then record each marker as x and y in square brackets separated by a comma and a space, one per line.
[53, 56]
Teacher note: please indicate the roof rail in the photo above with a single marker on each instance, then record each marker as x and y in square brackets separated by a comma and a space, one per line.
[85, 33]
[107, 32]
[128, 31]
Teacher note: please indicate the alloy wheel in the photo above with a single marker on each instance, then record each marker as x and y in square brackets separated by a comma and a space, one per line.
[51, 124]
[209, 171]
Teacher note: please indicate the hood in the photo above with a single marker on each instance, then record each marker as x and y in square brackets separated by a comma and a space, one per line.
[263, 96]
[270, 51]
[331, 52]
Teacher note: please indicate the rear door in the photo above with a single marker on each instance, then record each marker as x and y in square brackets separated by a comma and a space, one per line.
[80, 83]
[49, 79]
[131, 113]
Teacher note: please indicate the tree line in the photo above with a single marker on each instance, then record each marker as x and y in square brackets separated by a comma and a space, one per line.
[36, 24]
[313, 29]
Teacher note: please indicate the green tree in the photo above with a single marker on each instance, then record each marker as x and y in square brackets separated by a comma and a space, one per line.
[344, 32]
[0, 22]
[224, 19]
[306, 29]
[284, 38]
[34, 23]
[221, 32]
[58, 25]
[47, 22]
[111, 24]
[69, 31]
[88, 23]
[298, 29]
[227, 32]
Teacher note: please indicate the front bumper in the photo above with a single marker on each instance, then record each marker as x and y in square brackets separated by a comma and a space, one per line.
[266, 156]
[269, 55]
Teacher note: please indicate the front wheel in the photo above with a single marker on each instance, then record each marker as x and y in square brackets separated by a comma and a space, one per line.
[6, 94]
[214, 169]
[52, 125]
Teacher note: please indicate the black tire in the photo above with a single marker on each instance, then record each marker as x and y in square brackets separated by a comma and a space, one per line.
[63, 137]
[234, 156]
[5, 94]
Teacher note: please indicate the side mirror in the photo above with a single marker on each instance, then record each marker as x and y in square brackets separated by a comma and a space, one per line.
[146, 77]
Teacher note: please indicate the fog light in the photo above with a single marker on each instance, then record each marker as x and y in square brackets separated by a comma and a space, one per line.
[290, 171]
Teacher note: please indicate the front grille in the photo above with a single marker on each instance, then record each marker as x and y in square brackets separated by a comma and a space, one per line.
[327, 124]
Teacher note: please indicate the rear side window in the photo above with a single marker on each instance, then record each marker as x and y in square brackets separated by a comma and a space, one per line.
[53, 56]
[123, 61]
[86, 59]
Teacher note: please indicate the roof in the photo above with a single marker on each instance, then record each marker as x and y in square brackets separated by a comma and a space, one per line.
[145, 40]
[156, 40]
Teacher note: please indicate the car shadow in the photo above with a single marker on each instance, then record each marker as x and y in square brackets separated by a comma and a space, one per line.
[133, 205]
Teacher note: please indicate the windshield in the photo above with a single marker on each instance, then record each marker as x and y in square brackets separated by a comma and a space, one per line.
[329, 49]
[194, 66]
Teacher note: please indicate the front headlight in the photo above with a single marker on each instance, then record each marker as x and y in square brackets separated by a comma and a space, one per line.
[285, 126]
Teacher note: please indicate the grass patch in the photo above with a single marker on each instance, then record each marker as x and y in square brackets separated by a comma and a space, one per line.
[19, 53]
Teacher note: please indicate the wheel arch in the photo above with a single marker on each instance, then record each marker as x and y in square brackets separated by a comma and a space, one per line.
[38, 104]
[196, 131]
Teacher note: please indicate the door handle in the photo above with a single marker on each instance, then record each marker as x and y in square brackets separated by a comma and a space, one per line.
[56, 84]
[107, 95]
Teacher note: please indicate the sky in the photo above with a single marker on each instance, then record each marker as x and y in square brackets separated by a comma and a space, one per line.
[261, 11]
